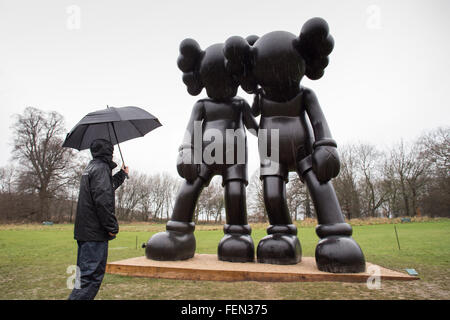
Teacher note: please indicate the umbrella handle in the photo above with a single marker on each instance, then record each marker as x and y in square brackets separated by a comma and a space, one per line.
[120, 150]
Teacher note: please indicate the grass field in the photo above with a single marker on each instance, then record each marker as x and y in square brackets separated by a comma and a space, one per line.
[34, 260]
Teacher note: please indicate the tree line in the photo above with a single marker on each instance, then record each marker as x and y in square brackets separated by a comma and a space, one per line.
[410, 178]
[407, 179]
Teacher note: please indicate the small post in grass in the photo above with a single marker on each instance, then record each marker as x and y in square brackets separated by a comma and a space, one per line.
[136, 242]
[396, 235]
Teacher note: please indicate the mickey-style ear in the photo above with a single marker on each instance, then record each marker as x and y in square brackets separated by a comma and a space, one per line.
[193, 83]
[190, 54]
[315, 44]
[238, 53]
[189, 62]
[252, 39]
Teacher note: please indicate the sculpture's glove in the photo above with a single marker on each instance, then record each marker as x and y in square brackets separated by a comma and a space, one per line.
[325, 160]
[186, 167]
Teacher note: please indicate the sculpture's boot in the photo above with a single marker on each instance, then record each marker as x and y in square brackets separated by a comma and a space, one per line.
[280, 246]
[237, 244]
[337, 251]
[176, 243]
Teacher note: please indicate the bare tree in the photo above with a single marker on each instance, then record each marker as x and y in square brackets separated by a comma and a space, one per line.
[171, 186]
[370, 166]
[7, 179]
[211, 202]
[128, 196]
[435, 152]
[7, 192]
[409, 172]
[44, 164]
[435, 148]
[255, 196]
[298, 198]
[391, 188]
[73, 185]
[146, 199]
[346, 183]
[159, 195]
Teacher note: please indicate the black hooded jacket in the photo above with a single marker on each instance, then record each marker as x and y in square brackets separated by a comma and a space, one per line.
[96, 201]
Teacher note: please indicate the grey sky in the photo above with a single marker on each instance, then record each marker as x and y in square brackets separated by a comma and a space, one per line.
[388, 76]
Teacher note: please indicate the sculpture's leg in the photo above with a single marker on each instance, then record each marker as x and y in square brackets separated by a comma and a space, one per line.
[281, 245]
[178, 241]
[337, 251]
[237, 244]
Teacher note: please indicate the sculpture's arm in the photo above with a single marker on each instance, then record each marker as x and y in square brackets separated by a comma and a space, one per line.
[186, 166]
[325, 159]
[256, 106]
[196, 115]
[248, 119]
[316, 116]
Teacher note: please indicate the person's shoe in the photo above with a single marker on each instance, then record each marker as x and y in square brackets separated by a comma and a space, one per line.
[176, 243]
[337, 251]
[237, 244]
[280, 246]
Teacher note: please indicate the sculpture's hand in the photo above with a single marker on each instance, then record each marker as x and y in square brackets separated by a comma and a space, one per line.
[325, 162]
[185, 165]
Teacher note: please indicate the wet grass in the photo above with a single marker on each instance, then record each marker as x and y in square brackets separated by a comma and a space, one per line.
[34, 260]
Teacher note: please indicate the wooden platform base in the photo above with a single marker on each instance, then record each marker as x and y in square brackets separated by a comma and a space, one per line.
[208, 267]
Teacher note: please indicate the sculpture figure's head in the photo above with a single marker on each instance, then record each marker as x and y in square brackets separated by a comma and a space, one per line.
[206, 69]
[278, 60]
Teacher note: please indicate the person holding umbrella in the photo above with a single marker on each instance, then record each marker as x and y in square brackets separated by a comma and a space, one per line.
[95, 222]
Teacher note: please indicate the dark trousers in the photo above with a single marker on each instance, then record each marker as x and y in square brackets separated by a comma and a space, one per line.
[91, 260]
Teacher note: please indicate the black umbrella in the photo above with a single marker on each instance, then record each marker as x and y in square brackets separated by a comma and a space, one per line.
[113, 124]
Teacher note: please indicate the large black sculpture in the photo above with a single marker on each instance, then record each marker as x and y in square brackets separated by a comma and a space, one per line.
[220, 112]
[272, 67]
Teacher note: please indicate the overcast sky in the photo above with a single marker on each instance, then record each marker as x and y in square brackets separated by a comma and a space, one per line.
[388, 76]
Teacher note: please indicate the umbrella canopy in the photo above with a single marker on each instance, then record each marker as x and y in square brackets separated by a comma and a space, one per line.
[113, 124]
